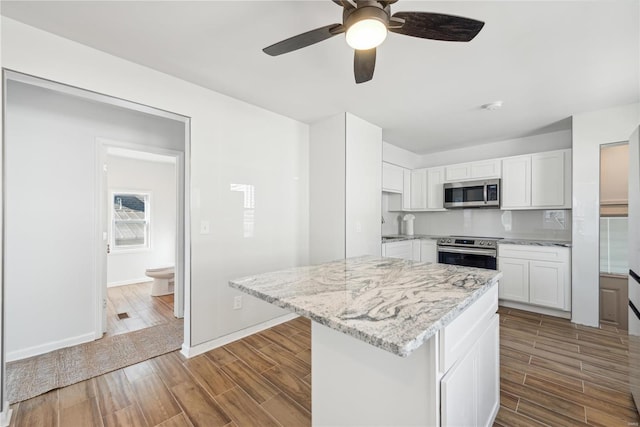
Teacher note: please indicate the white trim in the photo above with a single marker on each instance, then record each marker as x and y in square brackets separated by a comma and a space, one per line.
[234, 336]
[50, 346]
[129, 282]
[536, 309]
[91, 95]
[5, 416]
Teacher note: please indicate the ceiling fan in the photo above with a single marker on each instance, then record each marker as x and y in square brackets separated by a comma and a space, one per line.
[366, 23]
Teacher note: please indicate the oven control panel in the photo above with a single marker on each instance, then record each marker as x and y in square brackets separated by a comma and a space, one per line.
[451, 241]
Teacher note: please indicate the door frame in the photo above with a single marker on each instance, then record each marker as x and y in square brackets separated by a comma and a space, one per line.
[103, 221]
[184, 182]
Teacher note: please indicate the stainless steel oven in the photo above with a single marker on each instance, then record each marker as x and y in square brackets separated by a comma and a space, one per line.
[480, 252]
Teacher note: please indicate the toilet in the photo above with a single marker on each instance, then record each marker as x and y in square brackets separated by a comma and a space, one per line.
[162, 280]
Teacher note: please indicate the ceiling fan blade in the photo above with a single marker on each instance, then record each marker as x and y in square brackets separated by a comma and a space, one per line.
[364, 62]
[437, 26]
[345, 3]
[304, 39]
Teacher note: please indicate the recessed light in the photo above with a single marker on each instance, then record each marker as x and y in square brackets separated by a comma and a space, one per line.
[496, 105]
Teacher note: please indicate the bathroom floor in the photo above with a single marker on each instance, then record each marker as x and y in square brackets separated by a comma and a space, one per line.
[131, 307]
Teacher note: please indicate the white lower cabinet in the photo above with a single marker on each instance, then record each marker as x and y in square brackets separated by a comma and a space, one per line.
[547, 284]
[514, 285]
[402, 249]
[469, 391]
[428, 251]
[535, 275]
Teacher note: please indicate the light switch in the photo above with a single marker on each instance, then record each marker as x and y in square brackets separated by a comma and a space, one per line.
[204, 227]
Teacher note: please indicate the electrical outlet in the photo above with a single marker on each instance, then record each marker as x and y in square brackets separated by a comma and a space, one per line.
[204, 227]
[237, 302]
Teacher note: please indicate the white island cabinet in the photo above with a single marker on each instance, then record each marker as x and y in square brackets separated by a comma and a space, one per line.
[395, 343]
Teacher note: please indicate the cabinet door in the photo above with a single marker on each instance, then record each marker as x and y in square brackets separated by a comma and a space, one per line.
[486, 169]
[514, 285]
[547, 284]
[419, 189]
[406, 190]
[489, 373]
[428, 251]
[392, 178]
[457, 172]
[416, 250]
[403, 249]
[547, 179]
[435, 193]
[516, 182]
[458, 391]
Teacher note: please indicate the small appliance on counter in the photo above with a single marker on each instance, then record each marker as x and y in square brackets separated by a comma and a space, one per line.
[408, 224]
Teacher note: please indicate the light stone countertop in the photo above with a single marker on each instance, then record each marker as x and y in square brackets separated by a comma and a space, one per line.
[393, 304]
[532, 242]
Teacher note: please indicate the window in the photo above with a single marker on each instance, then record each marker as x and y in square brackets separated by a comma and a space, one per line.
[130, 227]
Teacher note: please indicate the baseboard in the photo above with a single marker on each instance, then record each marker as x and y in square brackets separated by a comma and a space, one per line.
[219, 342]
[5, 416]
[129, 282]
[536, 309]
[50, 346]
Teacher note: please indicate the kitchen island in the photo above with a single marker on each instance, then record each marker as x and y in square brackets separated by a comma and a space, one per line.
[394, 342]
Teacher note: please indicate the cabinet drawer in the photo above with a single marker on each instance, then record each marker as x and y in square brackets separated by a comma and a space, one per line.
[457, 337]
[537, 253]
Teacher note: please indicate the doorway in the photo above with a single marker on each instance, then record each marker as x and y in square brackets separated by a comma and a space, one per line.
[139, 208]
[614, 174]
[54, 240]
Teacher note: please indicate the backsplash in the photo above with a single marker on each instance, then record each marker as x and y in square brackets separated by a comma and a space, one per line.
[525, 224]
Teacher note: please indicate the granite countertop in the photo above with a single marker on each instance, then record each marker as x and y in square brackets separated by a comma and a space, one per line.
[393, 304]
[531, 242]
[400, 237]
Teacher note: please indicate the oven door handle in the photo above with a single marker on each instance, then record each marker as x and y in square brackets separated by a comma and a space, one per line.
[488, 252]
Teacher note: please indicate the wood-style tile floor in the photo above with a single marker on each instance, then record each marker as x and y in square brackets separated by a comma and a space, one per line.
[556, 373]
[261, 380]
[553, 373]
[143, 310]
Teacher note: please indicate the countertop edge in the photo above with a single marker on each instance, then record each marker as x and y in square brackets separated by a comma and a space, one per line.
[401, 351]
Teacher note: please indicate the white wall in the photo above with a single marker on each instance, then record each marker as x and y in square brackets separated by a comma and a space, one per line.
[363, 187]
[327, 199]
[158, 179]
[400, 157]
[590, 131]
[51, 166]
[232, 142]
[4, 406]
[511, 147]
[346, 186]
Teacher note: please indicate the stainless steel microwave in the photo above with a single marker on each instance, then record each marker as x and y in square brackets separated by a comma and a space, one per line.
[472, 194]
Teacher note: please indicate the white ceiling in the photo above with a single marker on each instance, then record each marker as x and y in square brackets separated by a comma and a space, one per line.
[546, 60]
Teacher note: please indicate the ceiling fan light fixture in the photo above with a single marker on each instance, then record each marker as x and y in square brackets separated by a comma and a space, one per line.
[366, 34]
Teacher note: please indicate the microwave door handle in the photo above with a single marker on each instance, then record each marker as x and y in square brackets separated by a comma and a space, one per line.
[484, 191]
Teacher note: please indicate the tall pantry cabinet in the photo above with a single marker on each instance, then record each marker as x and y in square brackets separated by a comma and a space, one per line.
[345, 188]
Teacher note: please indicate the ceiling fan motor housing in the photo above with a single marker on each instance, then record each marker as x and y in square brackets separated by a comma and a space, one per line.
[369, 9]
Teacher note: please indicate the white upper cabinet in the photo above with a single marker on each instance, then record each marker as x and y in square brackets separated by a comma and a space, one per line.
[419, 189]
[435, 193]
[406, 190]
[548, 178]
[474, 170]
[486, 169]
[537, 181]
[516, 182]
[392, 178]
[458, 172]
